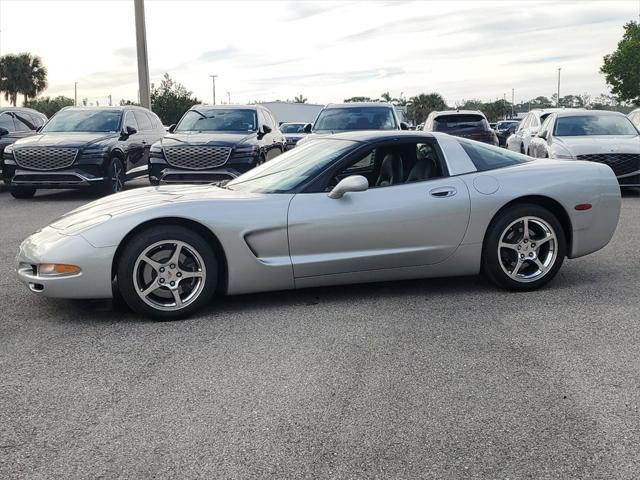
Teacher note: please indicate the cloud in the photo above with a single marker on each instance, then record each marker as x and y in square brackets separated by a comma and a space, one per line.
[331, 78]
[227, 53]
[549, 59]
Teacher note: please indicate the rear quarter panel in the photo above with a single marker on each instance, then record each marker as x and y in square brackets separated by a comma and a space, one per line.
[569, 183]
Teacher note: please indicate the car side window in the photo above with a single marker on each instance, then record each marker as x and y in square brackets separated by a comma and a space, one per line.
[524, 124]
[142, 120]
[6, 121]
[544, 130]
[487, 157]
[23, 124]
[130, 121]
[155, 122]
[533, 121]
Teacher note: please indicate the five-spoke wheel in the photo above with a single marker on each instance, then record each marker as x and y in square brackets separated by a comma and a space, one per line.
[524, 247]
[167, 272]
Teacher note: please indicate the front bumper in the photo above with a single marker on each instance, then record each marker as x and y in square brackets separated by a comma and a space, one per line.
[50, 246]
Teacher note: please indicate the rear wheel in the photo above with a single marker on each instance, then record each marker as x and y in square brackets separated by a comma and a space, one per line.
[22, 192]
[524, 248]
[167, 272]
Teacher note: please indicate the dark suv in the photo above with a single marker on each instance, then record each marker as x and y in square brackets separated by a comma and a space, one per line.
[470, 124]
[214, 143]
[17, 123]
[82, 147]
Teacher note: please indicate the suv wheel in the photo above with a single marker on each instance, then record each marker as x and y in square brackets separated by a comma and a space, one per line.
[22, 192]
[114, 180]
[524, 248]
[167, 272]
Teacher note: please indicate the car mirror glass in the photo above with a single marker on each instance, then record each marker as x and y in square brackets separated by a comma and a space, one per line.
[307, 128]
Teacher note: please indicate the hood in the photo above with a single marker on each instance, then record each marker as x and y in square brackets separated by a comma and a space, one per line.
[590, 144]
[141, 198]
[64, 139]
[208, 138]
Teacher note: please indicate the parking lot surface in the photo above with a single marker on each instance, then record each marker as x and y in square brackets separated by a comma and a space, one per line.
[446, 378]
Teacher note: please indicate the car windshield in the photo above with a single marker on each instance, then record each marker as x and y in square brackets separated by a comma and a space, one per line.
[292, 168]
[292, 128]
[355, 118]
[218, 120]
[445, 123]
[84, 121]
[582, 125]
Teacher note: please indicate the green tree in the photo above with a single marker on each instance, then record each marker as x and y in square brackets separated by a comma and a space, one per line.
[10, 77]
[420, 106]
[22, 74]
[386, 96]
[358, 99]
[49, 106]
[622, 67]
[300, 99]
[124, 102]
[171, 99]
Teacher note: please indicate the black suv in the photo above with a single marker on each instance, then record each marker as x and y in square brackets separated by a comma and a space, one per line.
[17, 123]
[214, 143]
[82, 147]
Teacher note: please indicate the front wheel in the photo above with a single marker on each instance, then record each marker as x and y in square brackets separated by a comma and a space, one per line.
[115, 177]
[524, 248]
[167, 272]
[22, 192]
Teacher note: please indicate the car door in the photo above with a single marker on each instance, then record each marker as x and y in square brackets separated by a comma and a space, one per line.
[514, 142]
[404, 225]
[134, 143]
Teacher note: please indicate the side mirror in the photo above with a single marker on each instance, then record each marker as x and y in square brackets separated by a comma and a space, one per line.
[352, 183]
[128, 131]
[39, 128]
[266, 129]
[404, 126]
[543, 135]
[3, 132]
[172, 128]
[307, 128]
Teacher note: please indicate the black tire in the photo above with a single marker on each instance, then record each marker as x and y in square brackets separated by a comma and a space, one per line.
[494, 258]
[115, 177]
[134, 249]
[522, 148]
[22, 192]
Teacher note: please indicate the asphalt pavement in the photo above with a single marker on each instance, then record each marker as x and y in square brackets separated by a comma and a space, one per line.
[444, 378]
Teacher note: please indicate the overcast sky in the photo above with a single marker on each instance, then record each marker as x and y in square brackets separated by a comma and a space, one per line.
[327, 51]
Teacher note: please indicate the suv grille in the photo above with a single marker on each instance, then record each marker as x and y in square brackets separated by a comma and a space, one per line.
[197, 157]
[620, 163]
[45, 158]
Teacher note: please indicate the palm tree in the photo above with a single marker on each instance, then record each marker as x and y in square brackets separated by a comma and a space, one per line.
[23, 73]
[33, 75]
[10, 77]
[420, 106]
[300, 99]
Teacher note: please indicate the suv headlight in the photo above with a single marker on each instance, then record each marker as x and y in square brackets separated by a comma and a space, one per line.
[247, 149]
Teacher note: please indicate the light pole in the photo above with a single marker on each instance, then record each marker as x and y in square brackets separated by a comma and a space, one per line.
[512, 93]
[558, 100]
[143, 61]
[75, 94]
[229, 97]
[213, 78]
[504, 106]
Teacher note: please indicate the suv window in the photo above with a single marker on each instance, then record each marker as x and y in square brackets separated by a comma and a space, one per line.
[142, 120]
[155, 121]
[130, 121]
[23, 124]
[6, 121]
[459, 121]
[487, 157]
[545, 126]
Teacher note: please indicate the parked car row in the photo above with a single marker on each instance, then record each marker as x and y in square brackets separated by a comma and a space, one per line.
[105, 147]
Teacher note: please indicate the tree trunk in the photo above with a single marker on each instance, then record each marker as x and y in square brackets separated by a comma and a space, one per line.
[25, 100]
[14, 99]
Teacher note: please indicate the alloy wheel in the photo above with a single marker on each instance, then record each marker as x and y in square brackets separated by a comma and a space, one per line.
[116, 177]
[169, 275]
[528, 249]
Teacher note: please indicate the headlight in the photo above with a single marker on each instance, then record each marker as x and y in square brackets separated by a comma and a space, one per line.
[561, 156]
[247, 149]
[8, 149]
[57, 269]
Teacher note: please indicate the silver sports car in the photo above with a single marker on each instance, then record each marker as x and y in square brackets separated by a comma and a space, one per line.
[352, 207]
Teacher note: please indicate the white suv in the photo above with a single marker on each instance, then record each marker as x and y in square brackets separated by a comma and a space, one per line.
[529, 128]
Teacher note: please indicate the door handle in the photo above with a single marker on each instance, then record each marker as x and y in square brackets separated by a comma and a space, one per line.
[443, 192]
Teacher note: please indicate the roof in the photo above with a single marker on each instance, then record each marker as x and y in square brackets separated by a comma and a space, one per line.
[19, 109]
[458, 112]
[224, 107]
[576, 112]
[359, 104]
[373, 135]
